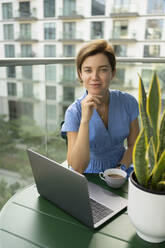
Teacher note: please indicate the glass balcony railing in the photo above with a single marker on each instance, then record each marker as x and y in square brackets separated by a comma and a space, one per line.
[71, 13]
[118, 34]
[71, 36]
[32, 109]
[25, 37]
[124, 8]
[26, 14]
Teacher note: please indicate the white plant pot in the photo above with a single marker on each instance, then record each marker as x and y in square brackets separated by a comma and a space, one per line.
[146, 210]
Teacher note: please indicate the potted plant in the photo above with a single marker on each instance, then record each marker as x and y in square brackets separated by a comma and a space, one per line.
[146, 194]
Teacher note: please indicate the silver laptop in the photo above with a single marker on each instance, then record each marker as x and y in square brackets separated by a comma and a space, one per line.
[71, 191]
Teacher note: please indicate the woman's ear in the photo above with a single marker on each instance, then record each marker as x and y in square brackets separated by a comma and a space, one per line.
[80, 76]
[113, 73]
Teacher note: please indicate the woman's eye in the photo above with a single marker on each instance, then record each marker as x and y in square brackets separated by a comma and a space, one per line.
[88, 71]
[103, 70]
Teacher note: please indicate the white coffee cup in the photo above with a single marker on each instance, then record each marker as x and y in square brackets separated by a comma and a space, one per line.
[114, 178]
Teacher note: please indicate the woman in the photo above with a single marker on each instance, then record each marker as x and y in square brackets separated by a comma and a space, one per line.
[98, 123]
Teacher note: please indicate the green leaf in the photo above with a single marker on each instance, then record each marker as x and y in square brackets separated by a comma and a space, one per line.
[154, 106]
[143, 112]
[158, 170]
[161, 147]
[151, 154]
[161, 185]
[139, 159]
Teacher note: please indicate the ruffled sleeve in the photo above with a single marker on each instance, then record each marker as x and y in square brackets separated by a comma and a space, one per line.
[72, 118]
[131, 106]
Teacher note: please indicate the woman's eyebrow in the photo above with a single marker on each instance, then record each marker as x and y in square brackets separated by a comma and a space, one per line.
[89, 67]
[85, 67]
[104, 66]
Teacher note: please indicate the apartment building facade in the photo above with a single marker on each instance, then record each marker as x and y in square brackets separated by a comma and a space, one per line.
[58, 29]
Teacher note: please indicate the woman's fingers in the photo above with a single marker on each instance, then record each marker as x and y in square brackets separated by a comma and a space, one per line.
[94, 98]
[89, 103]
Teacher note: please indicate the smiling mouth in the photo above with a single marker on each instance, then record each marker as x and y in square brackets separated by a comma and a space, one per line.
[95, 84]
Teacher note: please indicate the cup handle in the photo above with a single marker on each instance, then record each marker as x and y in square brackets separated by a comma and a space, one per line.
[101, 175]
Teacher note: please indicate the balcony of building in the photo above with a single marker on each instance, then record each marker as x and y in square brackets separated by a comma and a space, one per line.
[118, 11]
[68, 81]
[26, 38]
[29, 15]
[120, 36]
[30, 54]
[71, 14]
[71, 37]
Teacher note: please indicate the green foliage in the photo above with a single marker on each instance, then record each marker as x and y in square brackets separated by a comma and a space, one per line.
[16, 136]
[7, 135]
[7, 191]
[149, 148]
[29, 132]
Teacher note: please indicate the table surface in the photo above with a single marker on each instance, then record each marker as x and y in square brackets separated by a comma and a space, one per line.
[28, 221]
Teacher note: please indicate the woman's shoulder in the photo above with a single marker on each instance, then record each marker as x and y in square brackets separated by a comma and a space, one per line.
[122, 96]
[126, 103]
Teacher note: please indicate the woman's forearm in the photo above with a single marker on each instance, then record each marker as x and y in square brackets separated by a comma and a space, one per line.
[80, 153]
[134, 131]
[127, 157]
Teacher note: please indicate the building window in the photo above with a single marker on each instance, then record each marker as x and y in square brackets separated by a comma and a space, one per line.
[12, 89]
[8, 31]
[24, 9]
[69, 7]
[9, 51]
[49, 8]
[151, 50]
[27, 72]
[120, 76]
[64, 108]
[156, 7]
[25, 31]
[120, 6]
[49, 31]
[69, 50]
[154, 29]
[26, 51]
[50, 50]
[120, 29]
[68, 94]
[14, 110]
[97, 30]
[50, 72]
[69, 30]
[69, 74]
[146, 75]
[98, 7]
[51, 92]
[7, 10]
[11, 71]
[161, 76]
[51, 111]
[27, 109]
[28, 90]
[18, 109]
[120, 50]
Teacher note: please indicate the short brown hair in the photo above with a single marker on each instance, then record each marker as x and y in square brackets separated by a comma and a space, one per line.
[95, 47]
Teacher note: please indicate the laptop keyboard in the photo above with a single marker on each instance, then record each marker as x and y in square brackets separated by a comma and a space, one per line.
[99, 211]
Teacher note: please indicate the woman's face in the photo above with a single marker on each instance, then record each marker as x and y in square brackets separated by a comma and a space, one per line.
[96, 74]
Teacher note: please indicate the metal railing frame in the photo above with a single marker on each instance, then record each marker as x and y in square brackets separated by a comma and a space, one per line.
[43, 61]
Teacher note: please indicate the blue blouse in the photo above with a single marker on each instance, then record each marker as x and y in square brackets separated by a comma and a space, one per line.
[106, 144]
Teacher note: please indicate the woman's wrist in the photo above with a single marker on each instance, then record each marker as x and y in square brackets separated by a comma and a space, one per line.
[84, 121]
[122, 166]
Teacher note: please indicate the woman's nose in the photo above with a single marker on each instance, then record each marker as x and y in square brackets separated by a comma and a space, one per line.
[95, 75]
